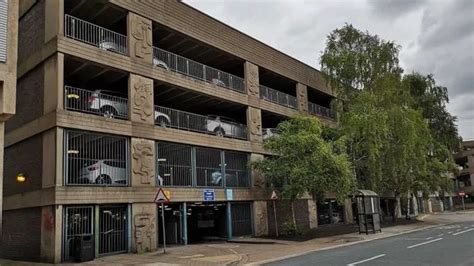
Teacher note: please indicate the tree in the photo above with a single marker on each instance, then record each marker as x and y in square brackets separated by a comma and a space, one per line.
[353, 60]
[303, 162]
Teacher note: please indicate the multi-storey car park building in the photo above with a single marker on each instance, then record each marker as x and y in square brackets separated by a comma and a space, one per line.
[117, 98]
[465, 159]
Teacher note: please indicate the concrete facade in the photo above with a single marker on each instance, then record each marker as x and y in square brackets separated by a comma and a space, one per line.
[37, 137]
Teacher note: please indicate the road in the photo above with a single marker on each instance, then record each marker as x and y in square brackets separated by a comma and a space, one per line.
[451, 244]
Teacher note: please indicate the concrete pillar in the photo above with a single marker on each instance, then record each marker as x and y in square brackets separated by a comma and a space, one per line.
[2, 142]
[254, 124]
[144, 224]
[140, 95]
[430, 206]
[398, 208]
[302, 97]
[229, 220]
[257, 177]
[260, 216]
[184, 221]
[348, 214]
[252, 79]
[415, 205]
[49, 151]
[312, 214]
[139, 32]
[54, 19]
[51, 233]
[54, 83]
[143, 163]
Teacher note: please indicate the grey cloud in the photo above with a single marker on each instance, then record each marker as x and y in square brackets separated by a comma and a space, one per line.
[394, 8]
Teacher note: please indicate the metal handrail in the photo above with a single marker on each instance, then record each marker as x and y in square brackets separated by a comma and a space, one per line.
[190, 68]
[321, 110]
[89, 33]
[182, 120]
[95, 102]
[277, 97]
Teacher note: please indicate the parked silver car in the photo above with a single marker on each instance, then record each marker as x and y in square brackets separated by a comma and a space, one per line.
[223, 126]
[107, 171]
[112, 45]
[269, 132]
[111, 106]
[216, 178]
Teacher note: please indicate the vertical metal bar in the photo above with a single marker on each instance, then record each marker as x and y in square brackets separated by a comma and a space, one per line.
[223, 166]
[163, 226]
[193, 166]
[185, 224]
[97, 230]
[229, 221]
[129, 227]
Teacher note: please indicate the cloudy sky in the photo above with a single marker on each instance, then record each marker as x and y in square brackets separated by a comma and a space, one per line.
[437, 36]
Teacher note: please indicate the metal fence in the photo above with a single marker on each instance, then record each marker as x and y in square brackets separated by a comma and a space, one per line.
[113, 223]
[96, 159]
[190, 68]
[214, 125]
[89, 33]
[98, 102]
[183, 165]
[321, 110]
[78, 223]
[174, 164]
[241, 219]
[278, 97]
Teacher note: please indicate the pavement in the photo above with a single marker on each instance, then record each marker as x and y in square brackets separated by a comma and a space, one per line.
[327, 250]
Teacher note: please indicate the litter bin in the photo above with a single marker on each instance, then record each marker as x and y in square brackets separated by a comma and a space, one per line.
[84, 248]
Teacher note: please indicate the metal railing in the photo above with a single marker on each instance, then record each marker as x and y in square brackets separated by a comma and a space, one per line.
[190, 68]
[95, 102]
[89, 33]
[278, 97]
[93, 159]
[316, 109]
[78, 223]
[203, 124]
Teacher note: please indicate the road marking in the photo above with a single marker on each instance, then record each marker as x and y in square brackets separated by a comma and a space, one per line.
[428, 238]
[424, 243]
[440, 235]
[462, 232]
[369, 259]
[466, 227]
[450, 232]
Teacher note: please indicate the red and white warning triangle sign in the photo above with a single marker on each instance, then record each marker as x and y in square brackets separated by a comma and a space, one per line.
[274, 195]
[161, 196]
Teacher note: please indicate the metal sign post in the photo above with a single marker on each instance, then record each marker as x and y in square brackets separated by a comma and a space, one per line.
[462, 194]
[163, 197]
[274, 197]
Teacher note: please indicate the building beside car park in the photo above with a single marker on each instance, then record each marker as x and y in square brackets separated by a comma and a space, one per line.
[465, 160]
[118, 98]
[8, 63]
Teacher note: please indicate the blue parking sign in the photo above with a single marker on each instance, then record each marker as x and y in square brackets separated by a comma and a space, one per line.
[208, 195]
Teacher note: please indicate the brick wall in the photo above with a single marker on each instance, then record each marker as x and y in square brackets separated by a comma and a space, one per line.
[31, 31]
[29, 103]
[23, 157]
[21, 238]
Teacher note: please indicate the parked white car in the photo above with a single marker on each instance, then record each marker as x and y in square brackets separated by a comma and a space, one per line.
[216, 178]
[107, 171]
[111, 106]
[159, 63]
[269, 132]
[110, 45]
[223, 126]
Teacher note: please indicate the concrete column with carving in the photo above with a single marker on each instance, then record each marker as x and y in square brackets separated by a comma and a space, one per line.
[140, 95]
[144, 227]
[143, 162]
[140, 44]
[348, 214]
[312, 214]
[254, 124]
[260, 218]
[302, 97]
[51, 233]
[252, 79]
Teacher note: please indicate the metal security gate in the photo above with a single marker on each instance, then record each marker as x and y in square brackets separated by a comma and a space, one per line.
[241, 219]
[112, 229]
[78, 222]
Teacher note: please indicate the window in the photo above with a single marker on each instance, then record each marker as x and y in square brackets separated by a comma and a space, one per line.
[236, 169]
[3, 29]
[208, 167]
[174, 165]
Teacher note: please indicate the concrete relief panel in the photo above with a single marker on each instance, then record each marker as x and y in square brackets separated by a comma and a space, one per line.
[141, 99]
[252, 79]
[144, 227]
[261, 218]
[143, 162]
[254, 122]
[312, 214]
[257, 176]
[140, 41]
[302, 96]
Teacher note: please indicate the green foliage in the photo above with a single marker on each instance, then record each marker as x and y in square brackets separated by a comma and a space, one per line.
[289, 228]
[305, 162]
[398, 133]
[354, 60]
